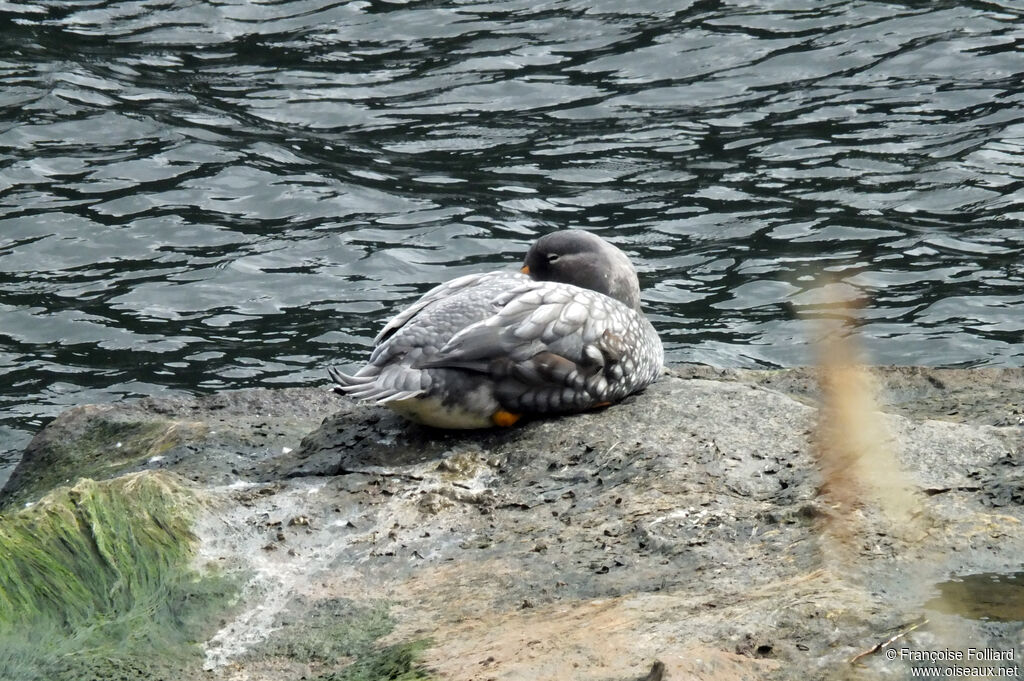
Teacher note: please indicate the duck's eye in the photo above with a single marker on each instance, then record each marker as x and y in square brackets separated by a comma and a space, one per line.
[552, 257]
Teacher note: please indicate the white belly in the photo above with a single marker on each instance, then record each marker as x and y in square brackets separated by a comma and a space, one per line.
[430, 412]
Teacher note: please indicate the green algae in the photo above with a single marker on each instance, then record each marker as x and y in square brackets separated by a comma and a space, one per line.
[96, 583]
[342, 637]
[390, 663]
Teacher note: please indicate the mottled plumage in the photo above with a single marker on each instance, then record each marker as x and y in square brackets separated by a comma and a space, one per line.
[483, 349]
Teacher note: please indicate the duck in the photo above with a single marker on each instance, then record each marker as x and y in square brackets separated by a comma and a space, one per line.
[564, 334]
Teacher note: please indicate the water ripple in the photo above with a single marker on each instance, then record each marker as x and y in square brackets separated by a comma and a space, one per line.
[198, 195]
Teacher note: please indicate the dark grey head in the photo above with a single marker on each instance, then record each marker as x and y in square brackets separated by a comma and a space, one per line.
[586, 260]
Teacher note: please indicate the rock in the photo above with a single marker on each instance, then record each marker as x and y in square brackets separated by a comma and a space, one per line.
[686, 525]
[210, 440]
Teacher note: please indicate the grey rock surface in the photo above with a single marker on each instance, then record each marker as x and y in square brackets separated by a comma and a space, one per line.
[685, 526]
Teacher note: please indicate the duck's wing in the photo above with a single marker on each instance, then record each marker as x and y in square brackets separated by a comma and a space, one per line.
[558, 347]
[439, 292]
[393, 371]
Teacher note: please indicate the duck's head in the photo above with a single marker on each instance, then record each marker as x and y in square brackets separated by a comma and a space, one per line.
[576, 257]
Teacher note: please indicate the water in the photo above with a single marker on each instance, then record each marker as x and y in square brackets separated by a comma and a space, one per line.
[197, 196]
[991, 596]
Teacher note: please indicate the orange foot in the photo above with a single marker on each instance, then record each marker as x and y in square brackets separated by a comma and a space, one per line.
[601, 405]
[505, 418]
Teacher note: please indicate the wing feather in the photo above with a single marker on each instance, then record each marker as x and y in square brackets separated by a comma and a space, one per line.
[435, 294]
[542, 346]
[553, 346]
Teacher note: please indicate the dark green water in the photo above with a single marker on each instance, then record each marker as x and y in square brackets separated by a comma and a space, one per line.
[200, 195]
[993, 596]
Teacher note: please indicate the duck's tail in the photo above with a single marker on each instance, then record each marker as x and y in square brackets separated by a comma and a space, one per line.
[391, 384]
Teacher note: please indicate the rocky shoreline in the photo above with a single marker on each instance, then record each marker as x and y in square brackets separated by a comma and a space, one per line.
[323, 539]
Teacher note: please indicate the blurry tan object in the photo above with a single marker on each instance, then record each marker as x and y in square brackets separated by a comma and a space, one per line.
[857, 454]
